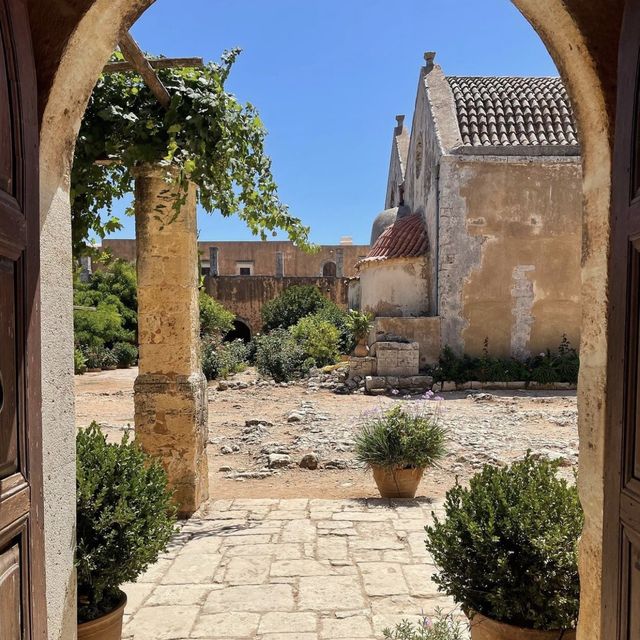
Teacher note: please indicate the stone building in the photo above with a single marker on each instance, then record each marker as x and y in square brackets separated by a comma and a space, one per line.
[482, 219]
[264, 258]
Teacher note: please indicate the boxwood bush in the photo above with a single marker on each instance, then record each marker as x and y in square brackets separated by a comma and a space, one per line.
[125, 518]
[507, 547]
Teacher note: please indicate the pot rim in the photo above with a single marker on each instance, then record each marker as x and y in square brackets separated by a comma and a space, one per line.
[113, 613]
[562, 633]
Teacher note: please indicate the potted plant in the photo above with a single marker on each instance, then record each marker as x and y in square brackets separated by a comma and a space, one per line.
[398, 445]
[125, 519]
[507, 552]
[359, 324]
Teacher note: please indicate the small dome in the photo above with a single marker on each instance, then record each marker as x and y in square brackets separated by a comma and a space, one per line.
[405, 238]
[386, 219]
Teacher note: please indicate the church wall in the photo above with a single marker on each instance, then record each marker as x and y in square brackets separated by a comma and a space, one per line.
[510, 241]
[421, 178]
[395, 288]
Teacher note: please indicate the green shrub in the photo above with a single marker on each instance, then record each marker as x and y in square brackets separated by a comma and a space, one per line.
[339, 318]
[399, 439]
[125, 518]
[99, 327]
[546, 368]
[441, 627]
[109, 359]
[79, 362]
[93, 357]
[221, 359]
[215, 320]
[562, 366]
[507, 547]
[279, 356]
[126, 354]
[291, 305]
[318, 338]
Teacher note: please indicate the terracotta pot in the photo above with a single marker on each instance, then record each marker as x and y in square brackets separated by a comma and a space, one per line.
[362, 349]
[483, 628]
[397, 483]
[106, 627]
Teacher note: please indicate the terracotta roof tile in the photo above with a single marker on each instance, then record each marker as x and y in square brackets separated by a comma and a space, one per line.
[510, 111]
[405, 238]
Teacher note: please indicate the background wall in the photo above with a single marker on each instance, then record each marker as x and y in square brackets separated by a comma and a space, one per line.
[245, 295]
[263, 255]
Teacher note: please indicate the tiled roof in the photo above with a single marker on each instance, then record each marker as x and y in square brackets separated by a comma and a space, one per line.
[405, 238]
[495, 111]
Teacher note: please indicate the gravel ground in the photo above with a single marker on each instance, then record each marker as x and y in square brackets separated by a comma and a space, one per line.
[260, 432]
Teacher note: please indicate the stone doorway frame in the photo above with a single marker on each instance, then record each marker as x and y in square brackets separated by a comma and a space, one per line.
[579, 58]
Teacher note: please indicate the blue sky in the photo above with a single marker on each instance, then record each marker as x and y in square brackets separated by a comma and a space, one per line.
[328, 77]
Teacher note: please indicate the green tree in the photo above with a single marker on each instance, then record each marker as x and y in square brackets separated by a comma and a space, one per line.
[206, 135]
[291, 305]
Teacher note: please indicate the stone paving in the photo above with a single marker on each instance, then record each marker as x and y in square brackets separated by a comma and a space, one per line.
[296, 569]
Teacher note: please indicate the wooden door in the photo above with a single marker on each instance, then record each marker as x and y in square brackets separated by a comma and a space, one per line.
[22, 589]
[621, 557]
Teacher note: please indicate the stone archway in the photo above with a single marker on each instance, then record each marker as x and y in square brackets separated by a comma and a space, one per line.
[73, 40]
[241, 331]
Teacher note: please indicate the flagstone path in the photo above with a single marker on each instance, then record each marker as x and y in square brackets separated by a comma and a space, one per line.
[295, 569]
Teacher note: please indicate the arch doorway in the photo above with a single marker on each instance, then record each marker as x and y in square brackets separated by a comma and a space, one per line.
[583, 42]
[240, 331]
[329, 270]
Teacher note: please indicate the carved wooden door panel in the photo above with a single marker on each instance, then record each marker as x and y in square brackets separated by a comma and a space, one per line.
[22, 596]
[621, 557]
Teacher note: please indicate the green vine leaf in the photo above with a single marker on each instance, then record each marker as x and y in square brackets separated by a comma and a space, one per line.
[205, 135]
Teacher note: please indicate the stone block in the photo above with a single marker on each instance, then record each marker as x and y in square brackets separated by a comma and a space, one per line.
[374, 382]
[397, 358]
[362, 367]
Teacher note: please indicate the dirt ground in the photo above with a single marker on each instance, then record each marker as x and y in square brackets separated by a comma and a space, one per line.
[261, 425]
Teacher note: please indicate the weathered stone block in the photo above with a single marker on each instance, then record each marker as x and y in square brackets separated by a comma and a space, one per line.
[374, 382]
[362, 367]
[397, 358]
[171, 424]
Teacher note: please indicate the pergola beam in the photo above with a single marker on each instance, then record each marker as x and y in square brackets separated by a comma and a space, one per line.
[160, 63]
[132, 52]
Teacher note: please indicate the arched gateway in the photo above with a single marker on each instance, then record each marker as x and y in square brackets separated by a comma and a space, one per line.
[73, 39]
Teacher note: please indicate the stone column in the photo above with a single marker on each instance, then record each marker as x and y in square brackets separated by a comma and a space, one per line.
[213, 261]
[170, 392]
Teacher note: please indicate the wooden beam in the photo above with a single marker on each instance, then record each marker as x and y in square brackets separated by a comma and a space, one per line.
[161, 63]
[135, 56]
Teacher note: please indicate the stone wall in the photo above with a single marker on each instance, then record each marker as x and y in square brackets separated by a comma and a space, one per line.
[245, 295]
[510, 238]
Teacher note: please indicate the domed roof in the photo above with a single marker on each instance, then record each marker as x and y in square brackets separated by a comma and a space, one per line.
[385, 219]
[405, 238]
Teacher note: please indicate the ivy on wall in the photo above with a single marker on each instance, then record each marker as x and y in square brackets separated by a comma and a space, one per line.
[205, 136]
